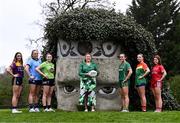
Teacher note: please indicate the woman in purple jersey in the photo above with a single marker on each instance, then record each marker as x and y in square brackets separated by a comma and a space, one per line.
[16, 69]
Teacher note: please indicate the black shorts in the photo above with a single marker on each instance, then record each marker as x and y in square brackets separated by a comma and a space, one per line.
[35, 82]
[17, 81]
[142, 84]
[49, 82]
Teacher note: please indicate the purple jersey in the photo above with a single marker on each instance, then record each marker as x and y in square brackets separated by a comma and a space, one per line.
[17, 68]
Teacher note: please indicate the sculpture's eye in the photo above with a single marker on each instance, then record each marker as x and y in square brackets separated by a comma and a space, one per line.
[65, 48]
[107, 90]
[84, 47]
[68, 89]
[108, 49]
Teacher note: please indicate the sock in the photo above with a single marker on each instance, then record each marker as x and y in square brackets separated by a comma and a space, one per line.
[158, 109]
[14, 107]
[36, 105]
[143, 108]
[31, 106]
[44, 107]
[49, 106]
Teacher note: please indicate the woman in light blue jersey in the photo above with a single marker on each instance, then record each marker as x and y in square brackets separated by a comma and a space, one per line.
[35, 81]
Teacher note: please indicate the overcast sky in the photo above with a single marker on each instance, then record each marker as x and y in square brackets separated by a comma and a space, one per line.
[18, 20]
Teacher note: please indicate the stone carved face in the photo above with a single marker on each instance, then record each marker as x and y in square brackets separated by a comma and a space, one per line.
[70, 55]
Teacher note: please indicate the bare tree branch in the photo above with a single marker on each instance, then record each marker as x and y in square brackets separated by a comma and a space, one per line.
[70, 4]
[58, 6]
[89, 1]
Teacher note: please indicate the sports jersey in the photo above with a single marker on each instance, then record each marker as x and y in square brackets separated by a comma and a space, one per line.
[140, 70]
[32, 68]
[17, 68]
[156, 74]
[48, 69]
[123, 70]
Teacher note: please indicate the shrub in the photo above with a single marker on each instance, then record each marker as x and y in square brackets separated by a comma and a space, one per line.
[175, 87]
[100, 25]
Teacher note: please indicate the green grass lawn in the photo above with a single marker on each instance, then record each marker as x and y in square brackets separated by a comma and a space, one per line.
[62, 116]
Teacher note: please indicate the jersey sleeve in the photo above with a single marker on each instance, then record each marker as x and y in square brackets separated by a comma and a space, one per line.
[145, 67]
[81, 74]
[96, 69]
[12, 66]
[29, 62]
[42, 65]
[128, 66]
[161, 68]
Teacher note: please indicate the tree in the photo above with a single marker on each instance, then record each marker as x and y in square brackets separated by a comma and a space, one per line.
[157, 16]
[162, 19]
[174, 33]
[56, 7]
[170, 50]
[100, 25]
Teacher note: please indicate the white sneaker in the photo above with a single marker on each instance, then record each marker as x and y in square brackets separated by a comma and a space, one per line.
[124, 110]
[86, 110]
[37, 110]
[51, 110]
[46, 110]
[15, 111]
[157, 111]
[32, 110]
[93, 110]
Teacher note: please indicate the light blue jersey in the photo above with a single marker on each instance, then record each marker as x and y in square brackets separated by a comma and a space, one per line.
[32, 68]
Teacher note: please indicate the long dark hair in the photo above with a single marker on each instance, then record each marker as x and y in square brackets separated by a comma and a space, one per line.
[49, 54]
[141, 55]
[122, 54]
[15, 58]
[159, 59]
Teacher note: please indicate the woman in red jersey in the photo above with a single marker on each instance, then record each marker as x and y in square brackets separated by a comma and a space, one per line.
[158, 73]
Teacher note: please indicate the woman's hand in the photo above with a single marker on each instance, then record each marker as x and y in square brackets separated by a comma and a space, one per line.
[141, 77]
[15, 75]
[124, 81]
[45, 76]
[32, 77]
[87, 74]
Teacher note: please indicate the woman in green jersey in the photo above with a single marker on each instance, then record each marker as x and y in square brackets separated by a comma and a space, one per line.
[46, 69]
[125, 72]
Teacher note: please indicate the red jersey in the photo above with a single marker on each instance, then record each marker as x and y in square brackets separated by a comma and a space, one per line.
[157, 72]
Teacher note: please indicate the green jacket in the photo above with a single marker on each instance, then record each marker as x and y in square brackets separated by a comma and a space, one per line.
[84, 68]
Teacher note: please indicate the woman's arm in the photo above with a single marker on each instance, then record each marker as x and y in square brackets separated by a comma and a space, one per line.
[40, 72]
[9, 70]
[81, 74]
[28, 72]
[128, 75]
[163, 76]
[146, 73]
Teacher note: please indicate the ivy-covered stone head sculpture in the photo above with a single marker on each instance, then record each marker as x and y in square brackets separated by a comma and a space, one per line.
[102, 33]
